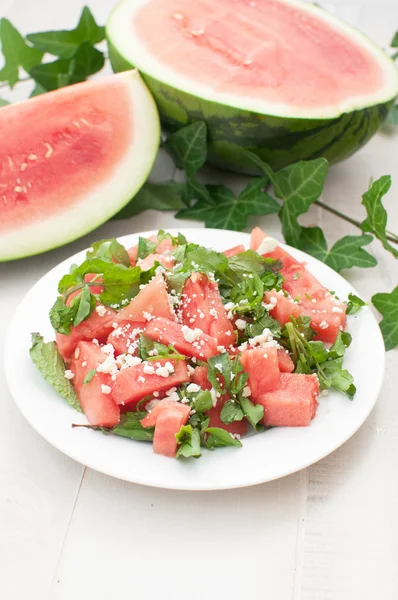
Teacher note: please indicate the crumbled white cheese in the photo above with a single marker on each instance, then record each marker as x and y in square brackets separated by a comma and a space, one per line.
[337, 309]
[269, 244]
[162, 371]
[246, 392]
[169, 367]
[258, 340]
[174, 397]
[241, 324]
[101, 310]
[191, 335]
[191, 370]
[229, 306]
[323, 325]
[105, 389]
[214, 396]
[147, 316]
[84, 363]
[171, 391]
[151, 404]
[108, 366]
[69, 374]
[141, 379]
[214, 313]
[192, 387]
[108, 349]
[149, 369]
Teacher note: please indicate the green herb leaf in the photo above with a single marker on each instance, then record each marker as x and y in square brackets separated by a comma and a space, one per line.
[394, 41]
[130, 426]
[86, 305]
[344, 254]
[387, 305]
[147, 346]
[65, 43]
[154, 196]
[202, 401]
[110, 250]
[17, 53]
[219, 437]
[50, 364]
[220, 366]
[253, 412]
[188, 147]
[261, 322]
[354, 304]
[299, 185]
[231, 411]
[145, 247]
[188, 439]
[376, 221]
[89, 376]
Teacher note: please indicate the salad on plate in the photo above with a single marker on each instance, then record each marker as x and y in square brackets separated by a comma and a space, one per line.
[176, 344]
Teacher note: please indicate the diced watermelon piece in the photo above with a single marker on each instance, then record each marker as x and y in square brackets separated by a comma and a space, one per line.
[199, 377]
[284, 307]
[125, 337]
[257, 236]
[147, 263]
[169, 332]
[285, 363]
[164, 247]
[294, 404]
[202, 308]
[152, 299]
[168, 418]
[234, 251]
[95, 327]
[133, 384]
[99, 407]
[261, 364]
[133, 253]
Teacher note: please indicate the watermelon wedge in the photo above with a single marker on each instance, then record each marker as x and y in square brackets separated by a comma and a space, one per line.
[281, 78]
[71, 159]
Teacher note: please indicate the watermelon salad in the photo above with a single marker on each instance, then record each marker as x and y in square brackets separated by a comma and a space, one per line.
[186, 347]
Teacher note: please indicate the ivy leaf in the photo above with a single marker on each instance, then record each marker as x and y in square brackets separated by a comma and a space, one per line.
[394, 41]
[17, 53]
[154, 196]
[230, 211]
[50, 364]
[387, 305]
[194, 190]
[64, 43]
[37, 90]
[299, 185]
[344, 254]
[60, 73]
[188, 147]
[392, 117]
[376, 221]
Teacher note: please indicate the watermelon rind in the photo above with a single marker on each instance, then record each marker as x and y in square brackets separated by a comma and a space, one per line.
[279, 134]
[105, 199]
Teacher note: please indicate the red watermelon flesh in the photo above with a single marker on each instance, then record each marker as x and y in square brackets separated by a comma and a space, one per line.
[168, 418]
[99, 407]
[267, 50]
[151, 418]
[285, 363]
[262, 366]
[202, 308]
[147, 263]
[164, 247]
[294, 404]
[234, 251]
[95, 327]
[133, 384]
[284, 307]
[124, 338]
[256, 237]
[152, 300]
[168, 332]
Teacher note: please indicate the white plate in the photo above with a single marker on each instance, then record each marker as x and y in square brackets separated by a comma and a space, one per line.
[263, 457]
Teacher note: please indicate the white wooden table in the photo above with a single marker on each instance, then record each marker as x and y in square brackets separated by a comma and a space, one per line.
[327, 533]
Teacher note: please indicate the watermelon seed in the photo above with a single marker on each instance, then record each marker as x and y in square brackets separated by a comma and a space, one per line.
[32, 157]
[23, 166]
[247, 61]
[197, 32]
[178, 16]
[49, 150]
[10, 161]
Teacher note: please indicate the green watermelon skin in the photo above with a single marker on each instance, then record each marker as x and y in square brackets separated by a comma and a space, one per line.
[278, 141]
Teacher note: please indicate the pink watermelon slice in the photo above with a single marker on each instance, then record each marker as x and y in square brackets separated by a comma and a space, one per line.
[71, 159]
[282, 78]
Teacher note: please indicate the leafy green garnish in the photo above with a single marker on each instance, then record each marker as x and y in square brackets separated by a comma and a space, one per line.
[110, 250]
[231, 411]
[89, 376]
[354, 304]
[253, 412]
[145, 247]
[376, 221]
[218, 437]
[50, 364]
[17, 53]
[387, 305]
[129, 426]
[150, 350]
[201, 401]
[188, 439]
[226, 375]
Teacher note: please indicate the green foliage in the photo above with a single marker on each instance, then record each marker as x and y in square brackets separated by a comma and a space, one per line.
[387, 305]
[376, 221]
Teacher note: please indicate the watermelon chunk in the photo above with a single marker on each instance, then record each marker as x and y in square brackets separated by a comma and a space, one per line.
[168, 332]
[147, 263]
[99, 407]
[257, 236]
[202, 308]
[124, 338]
[285, 363]
[151, 301]
[95, 327]
[133, 384]
[163, 248]
[234, 251]
[168, 418]
[262, 366]
[284, 307]
[294, 404]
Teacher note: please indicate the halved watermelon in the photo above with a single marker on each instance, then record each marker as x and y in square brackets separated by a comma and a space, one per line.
[185, 340]
[71, 159]
[202, 308]
[134, 383]
[282, 78]
[151, 301]
[95, 397]
[168, 418]
[292, 405]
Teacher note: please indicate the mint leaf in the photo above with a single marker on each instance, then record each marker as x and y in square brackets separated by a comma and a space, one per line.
[188, 439]
[62, 316]
[230, 211]
[220, 366]
[253, 412]
[188, 147]
[299, 185]
[89, 376]
[219, 437]
[387, 305]
[230, 412]
[17, 53]
[50, 364]
[65, 43]
[154, 196]
[354, 304]
[145, 247]
[376, 221]
[130, 426]
[110, 250]
[344, 254]
[202, 401]
[150, 350]
[86, 305]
